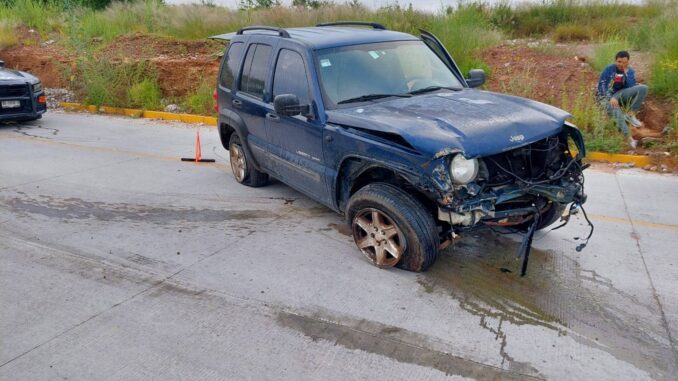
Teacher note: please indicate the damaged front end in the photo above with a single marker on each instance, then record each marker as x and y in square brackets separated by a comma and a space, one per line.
[526, 188]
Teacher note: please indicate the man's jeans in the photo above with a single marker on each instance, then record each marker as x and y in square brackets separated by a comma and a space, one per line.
[630, 98]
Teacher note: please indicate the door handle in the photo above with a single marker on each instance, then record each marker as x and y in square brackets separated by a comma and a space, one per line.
[272, 116]
[328, 138]
[237, 103]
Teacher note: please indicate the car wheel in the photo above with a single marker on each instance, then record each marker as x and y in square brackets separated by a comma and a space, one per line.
[392, 228]
[243, 171]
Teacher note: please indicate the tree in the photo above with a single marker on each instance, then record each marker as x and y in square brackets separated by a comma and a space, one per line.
[258, 4]
[315, 4]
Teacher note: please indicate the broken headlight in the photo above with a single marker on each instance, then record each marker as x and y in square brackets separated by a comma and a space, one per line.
[463, 170]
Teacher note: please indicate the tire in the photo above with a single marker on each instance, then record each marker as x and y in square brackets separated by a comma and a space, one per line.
[547, 219]
[417, 233]
[243, 172]
[552, 215]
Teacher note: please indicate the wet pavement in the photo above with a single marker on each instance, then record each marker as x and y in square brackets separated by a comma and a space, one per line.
[118, 261]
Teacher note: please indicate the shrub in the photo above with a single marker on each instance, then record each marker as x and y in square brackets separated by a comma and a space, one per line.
[572, 32]
[600, 132]
[7, 36]
[146, 94]
[202, 101]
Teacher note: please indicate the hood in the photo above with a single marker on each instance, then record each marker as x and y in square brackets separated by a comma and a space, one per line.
[14, 76]
[479, 123]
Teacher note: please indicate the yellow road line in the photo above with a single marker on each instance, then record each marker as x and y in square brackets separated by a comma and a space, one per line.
[114, 150]
[618, 220]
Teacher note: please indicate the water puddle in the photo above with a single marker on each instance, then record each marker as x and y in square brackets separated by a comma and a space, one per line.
[482, 273]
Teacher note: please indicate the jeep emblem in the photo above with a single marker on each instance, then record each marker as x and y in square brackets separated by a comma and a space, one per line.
[517, 138]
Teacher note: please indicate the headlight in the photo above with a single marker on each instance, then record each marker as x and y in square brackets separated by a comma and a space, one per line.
[37, 87]
[463, 171]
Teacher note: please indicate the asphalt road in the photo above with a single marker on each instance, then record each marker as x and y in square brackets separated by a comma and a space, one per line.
[119, 262]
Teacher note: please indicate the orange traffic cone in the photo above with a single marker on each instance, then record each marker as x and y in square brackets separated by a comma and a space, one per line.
[198, 157]
[197, 146]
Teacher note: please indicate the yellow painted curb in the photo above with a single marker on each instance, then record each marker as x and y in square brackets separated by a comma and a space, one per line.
[638, 160]
[137, 113]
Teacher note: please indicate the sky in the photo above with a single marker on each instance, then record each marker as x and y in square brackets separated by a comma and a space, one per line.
[424, 5]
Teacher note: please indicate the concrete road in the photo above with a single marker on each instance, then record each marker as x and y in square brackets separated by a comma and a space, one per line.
[119, 262]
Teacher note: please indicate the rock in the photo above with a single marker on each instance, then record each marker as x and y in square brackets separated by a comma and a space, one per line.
[624, 165]
[97, 39]
[56, 96]
[47, 43]
[172, 108]
[647, 167]
[653, 168]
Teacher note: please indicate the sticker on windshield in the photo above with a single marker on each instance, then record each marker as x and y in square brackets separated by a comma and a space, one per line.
[325, 62]
[374, 54]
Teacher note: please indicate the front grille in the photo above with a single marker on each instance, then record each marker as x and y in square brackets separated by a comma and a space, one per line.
[533, 163]
[14, 91]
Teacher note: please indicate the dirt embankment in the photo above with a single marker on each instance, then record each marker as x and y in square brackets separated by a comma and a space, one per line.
[558, 76]
[181, 65]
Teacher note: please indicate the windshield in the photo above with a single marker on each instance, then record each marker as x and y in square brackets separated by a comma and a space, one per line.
[360, 73]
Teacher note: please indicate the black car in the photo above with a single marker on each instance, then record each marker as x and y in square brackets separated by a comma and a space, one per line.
[21, 96]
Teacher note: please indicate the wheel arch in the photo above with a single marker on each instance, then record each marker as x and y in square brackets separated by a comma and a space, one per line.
[356, 172]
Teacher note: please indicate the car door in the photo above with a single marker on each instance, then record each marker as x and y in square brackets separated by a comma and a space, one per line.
[251, 97]
[296, 141]
[439, 49]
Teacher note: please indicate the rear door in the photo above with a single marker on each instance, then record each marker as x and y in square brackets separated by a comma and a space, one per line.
[296, 141]
[439, 49]
[251, 97]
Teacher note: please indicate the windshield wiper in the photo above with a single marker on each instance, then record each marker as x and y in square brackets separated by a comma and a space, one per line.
[432, 88]
[370, 97]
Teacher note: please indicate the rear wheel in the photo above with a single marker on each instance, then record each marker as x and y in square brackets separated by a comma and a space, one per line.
[392, 228]
[241, 166]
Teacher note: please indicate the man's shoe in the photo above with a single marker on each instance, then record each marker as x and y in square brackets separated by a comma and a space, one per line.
[633, 142]
[631, 118]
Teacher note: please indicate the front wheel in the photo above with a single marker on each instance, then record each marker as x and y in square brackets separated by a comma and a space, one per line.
[392, 228]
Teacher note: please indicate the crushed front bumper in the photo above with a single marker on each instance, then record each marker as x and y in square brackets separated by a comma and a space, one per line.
[544, 175]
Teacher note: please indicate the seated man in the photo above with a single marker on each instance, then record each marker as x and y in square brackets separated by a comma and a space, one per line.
[620, 95]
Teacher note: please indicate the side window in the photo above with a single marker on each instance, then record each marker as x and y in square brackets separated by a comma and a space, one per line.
[290, 76]
[231, 65]
[257, 63]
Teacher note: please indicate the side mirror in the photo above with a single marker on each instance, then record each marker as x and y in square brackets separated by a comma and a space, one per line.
[476, 77]
[288, 105]
[2, 63]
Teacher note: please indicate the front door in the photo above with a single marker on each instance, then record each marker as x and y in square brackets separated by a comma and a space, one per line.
[296, 141]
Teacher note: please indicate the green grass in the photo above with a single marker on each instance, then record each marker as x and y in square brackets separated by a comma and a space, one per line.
[201, 101]
[604, 53]
[8, 37]
[600, 131]
[100, 81]
[146, 94]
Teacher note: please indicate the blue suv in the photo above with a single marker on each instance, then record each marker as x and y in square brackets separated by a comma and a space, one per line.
[382, 126]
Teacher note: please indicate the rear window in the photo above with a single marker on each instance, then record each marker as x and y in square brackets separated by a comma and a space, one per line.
[231, 65]
[257, 63]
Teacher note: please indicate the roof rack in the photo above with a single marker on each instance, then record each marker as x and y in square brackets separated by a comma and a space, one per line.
[281, 32]
[374, 25]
